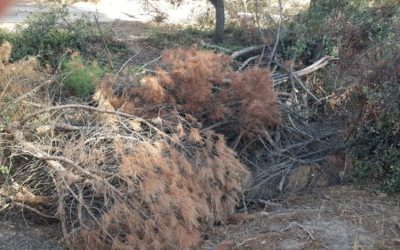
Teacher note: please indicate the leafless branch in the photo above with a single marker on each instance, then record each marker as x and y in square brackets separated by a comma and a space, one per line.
[34, 210]
[246, 51]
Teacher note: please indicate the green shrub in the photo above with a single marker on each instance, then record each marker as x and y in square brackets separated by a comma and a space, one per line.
[376, 144]
[327, 26]
[49, 33]
[174, 36]
[235, 37]
[4, 170]
[377, 150]
[80, 78]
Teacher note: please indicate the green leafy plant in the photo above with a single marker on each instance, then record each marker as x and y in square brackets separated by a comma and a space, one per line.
[4, 122]
[4, 170]
[376, 144]
[80, 77]
[327, 26]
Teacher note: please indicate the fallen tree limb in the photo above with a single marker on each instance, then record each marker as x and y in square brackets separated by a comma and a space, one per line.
[30, 199]
[215, 47]
[248, 50]
[278, 78]
[74, 106]
[34, 210]
[247, 62]
[306, 89]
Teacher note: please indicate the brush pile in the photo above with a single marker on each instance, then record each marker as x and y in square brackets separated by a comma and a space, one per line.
[127, 183]
[203, 85]
[20, 85]
[116, 179]
[148, 166]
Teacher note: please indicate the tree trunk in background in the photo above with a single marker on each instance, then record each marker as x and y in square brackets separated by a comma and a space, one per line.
[220, 20]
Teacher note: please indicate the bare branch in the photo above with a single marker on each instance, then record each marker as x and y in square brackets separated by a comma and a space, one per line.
[246, 51]
[34, 210]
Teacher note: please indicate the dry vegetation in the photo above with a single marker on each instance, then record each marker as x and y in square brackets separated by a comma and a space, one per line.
[164, 157]
[114, 179]
[16, 81]
[204, 85]
[144, 167]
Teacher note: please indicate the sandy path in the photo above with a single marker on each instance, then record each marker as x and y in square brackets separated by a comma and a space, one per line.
[109, 11]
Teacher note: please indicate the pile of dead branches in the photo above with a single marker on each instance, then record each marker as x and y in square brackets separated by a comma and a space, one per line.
[309, 132]
[124, 182]
[276, 122]
[144, 166]
[113, 179]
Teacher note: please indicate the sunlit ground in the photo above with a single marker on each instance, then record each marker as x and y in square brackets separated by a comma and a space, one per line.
[108, 11]
[136, 10]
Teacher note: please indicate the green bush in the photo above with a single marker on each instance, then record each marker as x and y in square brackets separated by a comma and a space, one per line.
[376, 144]
[49, 33]
[80, 78]
[377, 150]
[235, 37]
[362, 34]
[174, 36]
[325, 27]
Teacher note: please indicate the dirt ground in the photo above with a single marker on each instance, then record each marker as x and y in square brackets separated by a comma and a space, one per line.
[336, 217]
[19, 234]
[134, 34]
